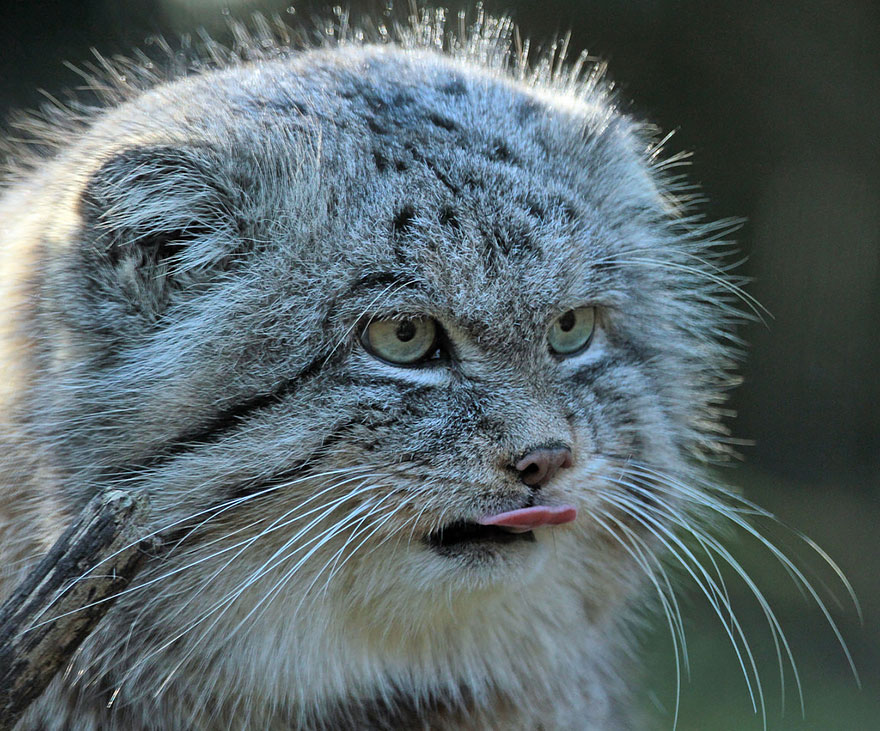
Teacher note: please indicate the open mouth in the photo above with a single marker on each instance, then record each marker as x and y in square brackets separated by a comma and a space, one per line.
[513, 526]
[457, 536]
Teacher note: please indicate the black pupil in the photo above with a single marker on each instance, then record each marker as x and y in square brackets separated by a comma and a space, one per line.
[566, 322]
[406, 331]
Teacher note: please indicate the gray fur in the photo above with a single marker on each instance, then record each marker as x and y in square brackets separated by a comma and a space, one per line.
[186, 272]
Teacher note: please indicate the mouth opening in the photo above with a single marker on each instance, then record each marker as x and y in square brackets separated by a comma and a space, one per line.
[456, 536]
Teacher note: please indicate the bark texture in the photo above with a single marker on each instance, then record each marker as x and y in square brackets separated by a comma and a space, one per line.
[49, 614]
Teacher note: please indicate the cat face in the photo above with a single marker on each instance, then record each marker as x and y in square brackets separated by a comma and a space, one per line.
[326, 316]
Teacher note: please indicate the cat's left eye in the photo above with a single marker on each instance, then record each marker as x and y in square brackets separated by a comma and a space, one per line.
[572, 331]
[405, 341]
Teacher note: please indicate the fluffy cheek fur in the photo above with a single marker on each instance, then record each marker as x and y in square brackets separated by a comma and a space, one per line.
[331, 561]
[292, 604]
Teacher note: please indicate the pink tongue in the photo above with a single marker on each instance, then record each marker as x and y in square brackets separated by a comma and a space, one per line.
[526, 519]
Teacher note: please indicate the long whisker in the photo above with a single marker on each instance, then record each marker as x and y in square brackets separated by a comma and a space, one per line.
[370, 508]
[279, 523]
[136, 587]
[757, 309]
[325, 511]
[708, 587]
[378, 526]
[639, 557]
[736, 513]
[796, 574]
[704, 540]
[220, 607]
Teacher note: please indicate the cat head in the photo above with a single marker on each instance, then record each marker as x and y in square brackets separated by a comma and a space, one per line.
[338, 310]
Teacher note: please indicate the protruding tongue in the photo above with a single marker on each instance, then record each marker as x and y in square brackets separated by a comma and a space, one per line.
[525, 519]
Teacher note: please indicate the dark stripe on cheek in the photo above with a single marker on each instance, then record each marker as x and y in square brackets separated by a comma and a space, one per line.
[587, 374]
[221, 424]
[253, 487]
[301, 470]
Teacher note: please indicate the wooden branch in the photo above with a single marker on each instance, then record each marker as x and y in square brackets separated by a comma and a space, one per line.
[52, 611]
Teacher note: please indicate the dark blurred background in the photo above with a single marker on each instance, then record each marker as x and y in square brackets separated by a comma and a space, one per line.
[780, 103]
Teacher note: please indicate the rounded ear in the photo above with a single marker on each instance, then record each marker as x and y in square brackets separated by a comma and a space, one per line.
[156, 219]
[160, 199]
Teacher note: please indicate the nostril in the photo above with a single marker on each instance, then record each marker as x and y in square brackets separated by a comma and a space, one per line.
[539, 466]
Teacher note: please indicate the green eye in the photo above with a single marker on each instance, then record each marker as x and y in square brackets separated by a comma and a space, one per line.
[404, 342]
[571, 332]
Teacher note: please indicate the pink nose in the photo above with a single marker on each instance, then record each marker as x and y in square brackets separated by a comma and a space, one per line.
[537, 468]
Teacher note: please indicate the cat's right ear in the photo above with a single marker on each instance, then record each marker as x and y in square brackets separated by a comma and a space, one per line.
[154, 219]
[165, 202]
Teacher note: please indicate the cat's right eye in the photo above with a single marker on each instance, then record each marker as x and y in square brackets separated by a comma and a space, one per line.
[572, 331]
[401, 341]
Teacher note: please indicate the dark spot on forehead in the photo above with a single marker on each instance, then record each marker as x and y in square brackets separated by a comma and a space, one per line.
[383, 279]
[442, 175]
[279, 105]
[569, 213]
[455, 87]
[442, 122]
[376, 127]
[528, 110]
[500, 152]
[370, 96]
[508, 238]
[553, 208]
[380, 160]
[536, 209]
[403, 220]
[447, 217]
